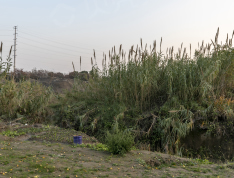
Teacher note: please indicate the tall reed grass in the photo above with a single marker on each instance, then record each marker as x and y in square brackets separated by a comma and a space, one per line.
[167, 92]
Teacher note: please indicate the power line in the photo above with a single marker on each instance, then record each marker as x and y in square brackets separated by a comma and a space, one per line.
[40, 57]
[37, 34]
[48, 50]
[54, 55]
[8, 40]
[58, 42]
[54, 46]
[23, 64]
[5, 35]
[47, 63]
[34, 32]
[7, 45]
[6, 30]
[59, 64]
[28, 55]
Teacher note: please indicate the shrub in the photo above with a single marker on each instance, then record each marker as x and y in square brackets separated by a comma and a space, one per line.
[119, 142]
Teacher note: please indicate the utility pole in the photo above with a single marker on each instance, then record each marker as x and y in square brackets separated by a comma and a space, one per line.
[15, 27]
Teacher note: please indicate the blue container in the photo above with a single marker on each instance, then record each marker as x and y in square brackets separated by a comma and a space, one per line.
[77, 139]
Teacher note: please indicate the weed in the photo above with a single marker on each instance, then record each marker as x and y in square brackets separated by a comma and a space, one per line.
[97, 147]
[141, 161]
[119, 142]
[13, 134]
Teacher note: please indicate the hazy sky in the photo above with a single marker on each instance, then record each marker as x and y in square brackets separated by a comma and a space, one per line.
[53, 33]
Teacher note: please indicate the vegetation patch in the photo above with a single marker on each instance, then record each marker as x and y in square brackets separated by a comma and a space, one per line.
[119, 142]
[159, 97]
[172, 161]
[37, 159]
[154, 98]
[13, 134]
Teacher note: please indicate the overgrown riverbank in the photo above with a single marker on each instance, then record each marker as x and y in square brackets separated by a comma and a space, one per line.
[157, 97]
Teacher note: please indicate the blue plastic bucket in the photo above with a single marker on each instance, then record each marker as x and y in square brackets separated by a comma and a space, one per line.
[77, 139]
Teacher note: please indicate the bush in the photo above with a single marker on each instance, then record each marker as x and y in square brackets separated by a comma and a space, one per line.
[119, 142]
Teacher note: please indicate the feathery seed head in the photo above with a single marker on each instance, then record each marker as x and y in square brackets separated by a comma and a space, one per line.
[73, 66]
[80, 63]
[160, 44]
[1, 47]
[141, 43]
[94, 54]
[10, 51]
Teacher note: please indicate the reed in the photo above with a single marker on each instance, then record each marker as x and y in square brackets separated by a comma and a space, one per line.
[151, 82]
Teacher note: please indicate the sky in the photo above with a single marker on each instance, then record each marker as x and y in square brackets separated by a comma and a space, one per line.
[53, 34]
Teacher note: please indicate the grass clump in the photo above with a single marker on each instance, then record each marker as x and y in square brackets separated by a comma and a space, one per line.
[11, 133]
[119, 142]
[97, 146]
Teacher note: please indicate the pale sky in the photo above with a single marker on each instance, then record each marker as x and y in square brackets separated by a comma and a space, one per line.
[53, 33]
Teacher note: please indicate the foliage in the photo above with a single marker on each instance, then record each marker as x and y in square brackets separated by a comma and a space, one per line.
[203, 161]
[141, 161]
[5, 66]
[159, 96]
[11, 133]
[23, 99]
[119, 142]
[97, 146]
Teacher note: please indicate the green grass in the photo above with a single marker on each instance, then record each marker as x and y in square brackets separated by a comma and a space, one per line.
[97, 147]
[61, 160]
[10, 133]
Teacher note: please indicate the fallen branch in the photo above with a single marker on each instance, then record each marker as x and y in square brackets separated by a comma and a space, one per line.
[154, 119]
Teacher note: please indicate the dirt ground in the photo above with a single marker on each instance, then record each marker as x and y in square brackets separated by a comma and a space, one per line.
[46, 151]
